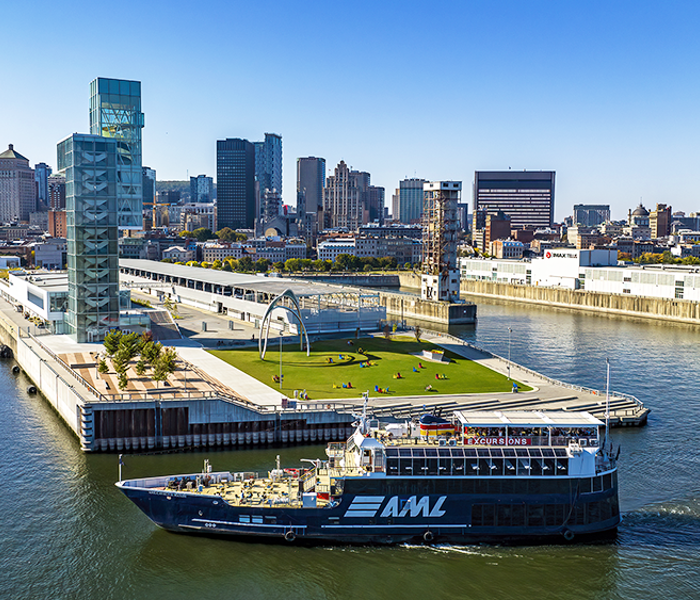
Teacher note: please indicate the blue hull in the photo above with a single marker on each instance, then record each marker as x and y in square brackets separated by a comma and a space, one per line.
[394, 510]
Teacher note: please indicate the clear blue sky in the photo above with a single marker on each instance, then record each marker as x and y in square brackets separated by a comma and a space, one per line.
[604, 93]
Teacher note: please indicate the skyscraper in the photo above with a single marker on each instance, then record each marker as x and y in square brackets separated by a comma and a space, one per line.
[343, 198]
[90, 164]
[41, 176]
[375, 203]
[526, 196]
[235, 184]
[17, 187]
[268, 163]
[590, 215]
[311, 179]
[410, 201]
[115, 112]
[201, 189]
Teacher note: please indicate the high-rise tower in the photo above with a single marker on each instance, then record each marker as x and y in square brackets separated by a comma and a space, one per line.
[90, 165]
[115, 112]
[17, 187]
[311, 179]
[526, 196]
[235, 184]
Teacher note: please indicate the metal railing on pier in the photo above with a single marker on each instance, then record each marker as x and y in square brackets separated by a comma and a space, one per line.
[639, 404]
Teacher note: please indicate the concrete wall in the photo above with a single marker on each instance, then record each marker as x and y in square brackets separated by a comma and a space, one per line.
[404, 306]
[56, 390]
[685, 311]
[409, 279]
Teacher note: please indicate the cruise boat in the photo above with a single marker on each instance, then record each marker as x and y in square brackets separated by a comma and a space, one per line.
[493, 477]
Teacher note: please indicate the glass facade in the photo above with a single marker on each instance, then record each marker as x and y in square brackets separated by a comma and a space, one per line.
[115, 112]
[90, 166]
[235, 181]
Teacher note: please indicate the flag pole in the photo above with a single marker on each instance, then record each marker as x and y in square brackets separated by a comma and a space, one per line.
[607, 400]
[121, 462]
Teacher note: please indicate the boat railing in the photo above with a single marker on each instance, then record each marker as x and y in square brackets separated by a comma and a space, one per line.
[510, 442]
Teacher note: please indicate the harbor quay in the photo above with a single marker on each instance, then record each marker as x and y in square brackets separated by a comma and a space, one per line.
[208, 403]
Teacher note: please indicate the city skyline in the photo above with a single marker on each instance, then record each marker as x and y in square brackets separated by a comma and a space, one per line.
[602, 94]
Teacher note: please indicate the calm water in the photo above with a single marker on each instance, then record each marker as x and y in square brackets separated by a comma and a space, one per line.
[66, 532]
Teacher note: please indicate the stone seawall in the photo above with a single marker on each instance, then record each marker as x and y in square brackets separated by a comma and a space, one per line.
[684, 311]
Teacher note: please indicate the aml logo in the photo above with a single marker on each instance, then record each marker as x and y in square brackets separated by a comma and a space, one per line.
[368, 506]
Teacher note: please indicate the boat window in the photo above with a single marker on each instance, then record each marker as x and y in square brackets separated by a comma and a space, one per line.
[509, 451]
[497, 452]
[457, 452]
[405, 452]
[521, 452]
[392, 451]
[469, 452]
[431, 452]
[560, 452]
[443, 452]
[547, 452]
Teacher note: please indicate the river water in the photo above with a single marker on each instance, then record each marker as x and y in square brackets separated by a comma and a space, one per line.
[66, 532]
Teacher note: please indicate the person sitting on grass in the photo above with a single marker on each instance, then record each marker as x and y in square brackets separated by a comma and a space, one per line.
[428, 388]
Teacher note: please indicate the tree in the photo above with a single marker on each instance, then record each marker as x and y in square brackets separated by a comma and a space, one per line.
[407, 266]
[226, 267]
[278, 266]
[387, 331]
[186, 234]
[111, 342]
[123, 381]
[151, 351]
[141, 367]
[130, 345]
[292, 265]
[245, 264]
[164, 365]
[306, 264]
[417, 332]
[241, 237]
[217, 264]
[319, 265]
[102, 366]
[206, 265]
[226, 234]
[343, 261]
[262, 265]
[192, 263]
[203, 234]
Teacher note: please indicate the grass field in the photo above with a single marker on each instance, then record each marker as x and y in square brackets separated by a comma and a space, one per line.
[324, 380]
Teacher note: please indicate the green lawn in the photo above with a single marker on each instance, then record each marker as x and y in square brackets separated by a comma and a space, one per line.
[317, 375]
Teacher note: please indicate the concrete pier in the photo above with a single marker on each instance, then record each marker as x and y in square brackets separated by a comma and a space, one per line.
[237, 410]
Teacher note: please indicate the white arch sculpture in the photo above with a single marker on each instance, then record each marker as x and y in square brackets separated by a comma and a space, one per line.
[265, 323]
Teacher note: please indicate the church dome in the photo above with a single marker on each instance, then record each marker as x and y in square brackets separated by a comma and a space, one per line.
[640, 211]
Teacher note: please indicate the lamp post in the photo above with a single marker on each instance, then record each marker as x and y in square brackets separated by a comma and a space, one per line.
[510, 330]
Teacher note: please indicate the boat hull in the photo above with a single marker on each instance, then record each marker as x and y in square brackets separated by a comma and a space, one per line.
[394, 511]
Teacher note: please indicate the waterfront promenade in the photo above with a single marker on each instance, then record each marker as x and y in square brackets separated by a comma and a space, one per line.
[210, 402]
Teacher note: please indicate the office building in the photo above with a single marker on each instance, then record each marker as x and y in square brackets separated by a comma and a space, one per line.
[268, 163]
[201, 189]
[90, 164]
[42, 171]
[57, 192]
[375, 204]
[526, 196]
[148, 181]
[17, 187]
[590, 215]
[344, 198]
[311, 179]
[235, 184]
[409, 206]
[660, 221]
[115, 112]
